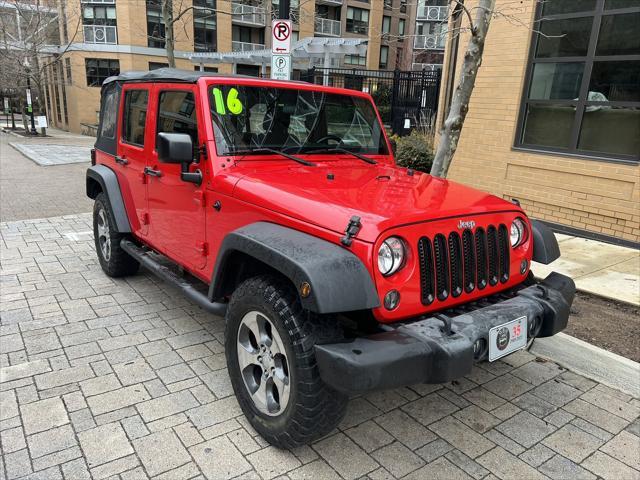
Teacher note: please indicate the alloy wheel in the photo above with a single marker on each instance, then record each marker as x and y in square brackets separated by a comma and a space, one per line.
[263, 363]
[104, 238]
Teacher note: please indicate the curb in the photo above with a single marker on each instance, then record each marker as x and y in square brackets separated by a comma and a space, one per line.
[593, 362]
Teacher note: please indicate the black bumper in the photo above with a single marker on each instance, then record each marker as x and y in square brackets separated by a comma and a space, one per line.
[439, 349]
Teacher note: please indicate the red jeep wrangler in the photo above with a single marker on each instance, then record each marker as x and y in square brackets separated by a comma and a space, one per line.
[279, 206]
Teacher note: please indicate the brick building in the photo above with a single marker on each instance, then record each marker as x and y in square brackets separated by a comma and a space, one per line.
[108, 36]
[554, 119]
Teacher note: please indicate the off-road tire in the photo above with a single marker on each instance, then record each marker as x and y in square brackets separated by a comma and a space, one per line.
[117, 263]
[313, 408]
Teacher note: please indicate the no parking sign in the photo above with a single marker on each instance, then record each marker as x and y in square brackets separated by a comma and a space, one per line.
[281, 50]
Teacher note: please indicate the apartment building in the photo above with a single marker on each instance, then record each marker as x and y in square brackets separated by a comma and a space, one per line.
[108, 36]
[430, 34]
[554, 119]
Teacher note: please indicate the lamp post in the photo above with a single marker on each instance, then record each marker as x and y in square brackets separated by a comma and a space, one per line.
[29, 106]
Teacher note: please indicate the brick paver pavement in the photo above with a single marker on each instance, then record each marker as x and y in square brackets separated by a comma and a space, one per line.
[28, 190]
[126, 379]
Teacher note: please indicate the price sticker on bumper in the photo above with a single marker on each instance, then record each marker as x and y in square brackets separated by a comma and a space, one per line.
[507, 338]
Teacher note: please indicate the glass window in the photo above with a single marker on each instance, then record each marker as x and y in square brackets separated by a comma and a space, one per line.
[355, 60]
[583, 85]
[564, 38]
[155, 25]
[401, 27]
[157, 65]
[177, 114]
[357, 20]
[619, 35]
[556, 81]
[109, 114]
[384, 56]
[99, 69]
[135, 116]
[205, 26]
[304, 120]
[556, 7]
[386, 24]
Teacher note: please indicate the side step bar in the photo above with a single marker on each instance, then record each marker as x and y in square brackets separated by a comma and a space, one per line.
[168, 276]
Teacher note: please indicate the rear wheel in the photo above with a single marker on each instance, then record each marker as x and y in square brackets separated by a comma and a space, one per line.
[114, 261]
[269, 343]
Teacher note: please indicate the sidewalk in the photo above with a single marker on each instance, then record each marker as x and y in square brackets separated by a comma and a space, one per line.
[599, 268]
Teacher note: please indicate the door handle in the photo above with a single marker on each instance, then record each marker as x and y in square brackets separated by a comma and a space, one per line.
[151, 172]
[122, 160]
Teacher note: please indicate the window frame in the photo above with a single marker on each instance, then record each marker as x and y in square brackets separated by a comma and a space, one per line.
[86, 70]
[158, 96]
[582, 102]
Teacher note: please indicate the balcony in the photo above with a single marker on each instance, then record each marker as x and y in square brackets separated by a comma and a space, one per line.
[432, 14]
[326, 27]
[429, 67]
[432, 41]
[248, 15]
[246, 46]
[100, 34]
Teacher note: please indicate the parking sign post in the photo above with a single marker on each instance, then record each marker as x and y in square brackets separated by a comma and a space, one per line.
[281, 49]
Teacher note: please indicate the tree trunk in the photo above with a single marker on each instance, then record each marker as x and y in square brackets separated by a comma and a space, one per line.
[450, 133]
[167, 18]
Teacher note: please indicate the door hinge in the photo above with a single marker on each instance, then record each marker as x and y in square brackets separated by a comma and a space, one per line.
[144, 219]
[202, 248]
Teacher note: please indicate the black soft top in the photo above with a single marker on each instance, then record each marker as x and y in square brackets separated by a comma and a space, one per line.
[166, 75]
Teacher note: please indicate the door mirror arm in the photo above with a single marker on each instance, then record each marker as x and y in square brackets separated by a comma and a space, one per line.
[190, 177]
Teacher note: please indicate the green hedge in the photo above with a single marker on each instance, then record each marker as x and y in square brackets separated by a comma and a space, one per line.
[415, 151]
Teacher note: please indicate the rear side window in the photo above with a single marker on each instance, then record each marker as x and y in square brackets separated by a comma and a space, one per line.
[177, 114]
[135, 115]
[109, 114]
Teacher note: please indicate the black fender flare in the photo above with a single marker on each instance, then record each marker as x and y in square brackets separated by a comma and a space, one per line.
[109, 183]
[545, 244]
[339, 280]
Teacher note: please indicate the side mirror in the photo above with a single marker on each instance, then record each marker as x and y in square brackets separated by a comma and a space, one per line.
[174, 148]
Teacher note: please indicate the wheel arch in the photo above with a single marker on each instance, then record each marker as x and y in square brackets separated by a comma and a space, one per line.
[101, 179]
[339, 280]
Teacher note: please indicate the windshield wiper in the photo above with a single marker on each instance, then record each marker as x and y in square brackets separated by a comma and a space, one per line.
[343, 150]
[272, 150]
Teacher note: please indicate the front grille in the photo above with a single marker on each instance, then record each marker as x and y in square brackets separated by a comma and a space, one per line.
[453, 264]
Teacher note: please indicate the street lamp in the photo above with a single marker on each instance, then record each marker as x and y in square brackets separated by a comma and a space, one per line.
[29, 106]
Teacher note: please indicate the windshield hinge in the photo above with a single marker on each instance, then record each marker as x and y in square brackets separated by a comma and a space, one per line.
[201, 150]
[351, 231]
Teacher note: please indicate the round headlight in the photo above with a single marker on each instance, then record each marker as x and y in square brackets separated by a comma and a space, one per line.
[391, 255]
[517, 233]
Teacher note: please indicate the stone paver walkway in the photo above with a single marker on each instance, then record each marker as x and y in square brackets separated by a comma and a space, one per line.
[50, 154]
[126, 379]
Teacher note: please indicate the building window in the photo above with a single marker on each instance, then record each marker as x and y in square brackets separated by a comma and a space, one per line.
[357, 20]
[99, 69]
[386, 25]
[355, 60]
[401, 29]
[204, 26]
[135, 116]
[403, 6]
[206, 69]
[582, 93]
[384, 56]
[157, 65]
[155, 25]
[67, 66]
[99, 24]
[388, 4]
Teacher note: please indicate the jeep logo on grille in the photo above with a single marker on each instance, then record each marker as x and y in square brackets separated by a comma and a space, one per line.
[462, 224]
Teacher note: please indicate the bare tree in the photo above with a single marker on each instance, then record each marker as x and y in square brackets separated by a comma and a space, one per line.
[450, 133]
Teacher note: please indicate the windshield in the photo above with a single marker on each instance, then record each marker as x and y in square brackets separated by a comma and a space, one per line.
[248, 118]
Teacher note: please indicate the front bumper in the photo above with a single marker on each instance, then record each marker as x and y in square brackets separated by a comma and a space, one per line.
[440, 348]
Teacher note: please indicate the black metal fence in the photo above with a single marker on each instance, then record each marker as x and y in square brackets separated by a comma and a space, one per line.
[405, 99]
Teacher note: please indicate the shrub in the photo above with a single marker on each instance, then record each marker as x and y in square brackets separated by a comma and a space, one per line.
[415, 151]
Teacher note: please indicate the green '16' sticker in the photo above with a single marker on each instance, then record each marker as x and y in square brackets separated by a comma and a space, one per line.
[233, 104]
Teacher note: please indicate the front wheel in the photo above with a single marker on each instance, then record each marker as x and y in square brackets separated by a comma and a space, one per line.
[269, 343]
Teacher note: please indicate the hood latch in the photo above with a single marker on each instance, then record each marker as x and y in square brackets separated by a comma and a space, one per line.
[351, 231]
